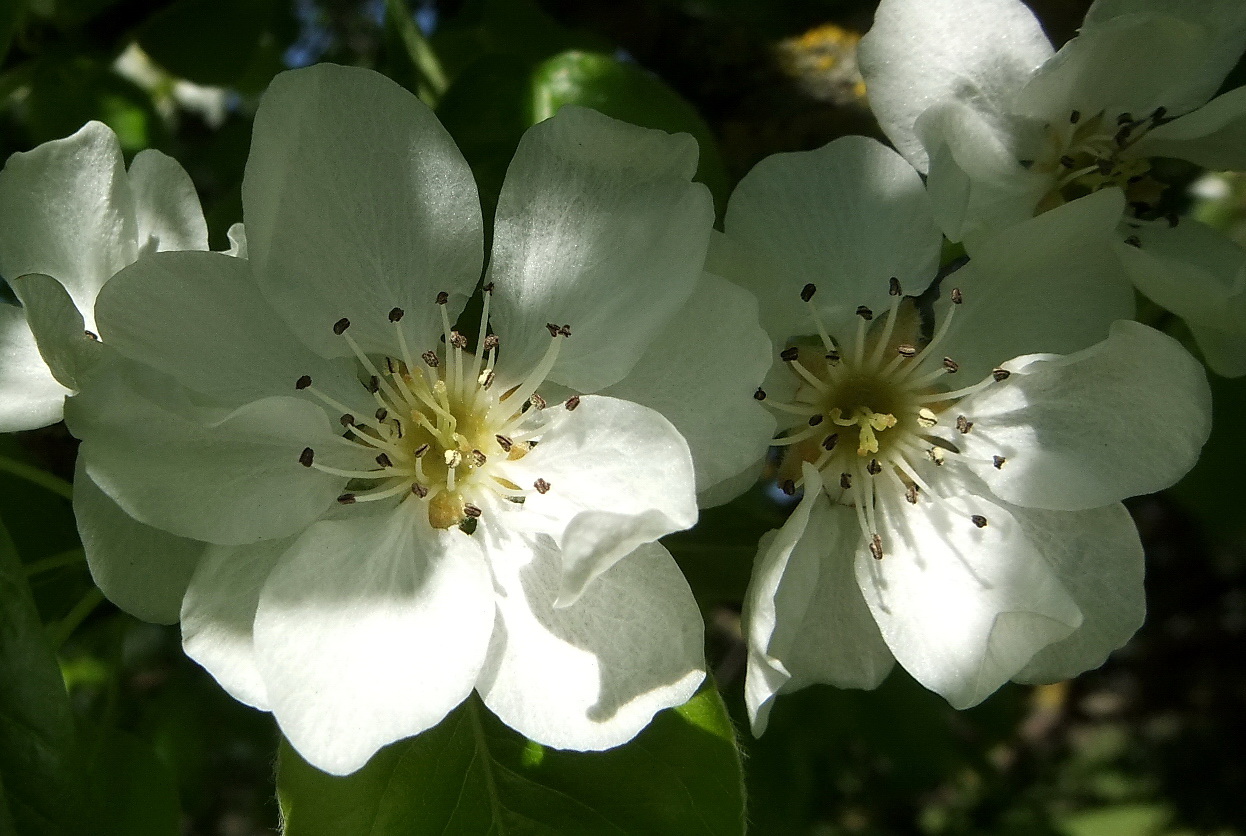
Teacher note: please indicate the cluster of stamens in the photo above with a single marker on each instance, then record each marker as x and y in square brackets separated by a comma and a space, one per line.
[441, 432]
[870, 405]
[1093, 153]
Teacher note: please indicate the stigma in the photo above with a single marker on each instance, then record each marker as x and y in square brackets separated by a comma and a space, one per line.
[443, 433]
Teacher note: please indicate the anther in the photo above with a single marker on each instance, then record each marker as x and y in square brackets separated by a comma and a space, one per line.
[876, 546]
[815, 419]
[346, 499]
[419, 490]
[788, 487]
[1159, 113]
[1134, 241]
[552, 328]
[564, 330]
[1124, 119]
[833, 356]
[936, 455]
[453, 458]
[488, 288]
[91, 335]
[421, 450]
[760, 394]
[443, 298]
[303, 382]
[830, 441]
[951, 365]
[789, 354]
[845, 480]
[537, 401]
[471, 511]
[479, 458]
[957, 296]
[926, 417]
[542, 487]
[910, 494]
[572, 402]
[340, 326]
[430, 359]
[978, 520]
[806, 292]
[865, 313]
[505, 443]
[491, 342]
[347, 420]
[893, 287]
[307, 457]
[998, 461]
[382, 414]
[963, 424]
[383, 460]
[458, 340]
[395, 314]
[1075, 117]
[374, 384]
[1067, 161]
[1000, 374]
[907, 351]
[874, 467]
[1122, 136]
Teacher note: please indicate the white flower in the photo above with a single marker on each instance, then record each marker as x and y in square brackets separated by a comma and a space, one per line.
[972, 94]
[72, 212]
[961, 503]
[484, 522]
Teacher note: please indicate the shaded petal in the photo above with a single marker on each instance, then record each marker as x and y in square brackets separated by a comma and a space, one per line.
[356, 200]
[141, 569]
[598, 226]
[69, 351]
[924, 53]
[701, 372]
[846, 218]
[199, 317]
[1098, 558]
[962, 608]
[804, 616]
[1125, 417]
[1053, 283]
[1214, 136]
[620, 476]
[29, 396]
[237, 235]
[591, 675]
[1224, 352]
[369, 630]
[218, 615]
[166, 206]
[68, 212]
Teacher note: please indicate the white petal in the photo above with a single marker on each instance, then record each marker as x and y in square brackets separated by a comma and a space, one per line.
[924, 53]
[370, 630]
[237, 235]
[141, 569]
[1127, 416]
[166, 206]
[962, 608]
[69, 213]
[29, 396]
[592, 675]
[846, 218]
[1051, 284]
[199, 317]
[600, 227]
[58, 328]
[1214, 136]
[804, 616]
[218, 615]
[357, 201]
[1098, 558]
[701, 373]
[222, 477]
[620, 476]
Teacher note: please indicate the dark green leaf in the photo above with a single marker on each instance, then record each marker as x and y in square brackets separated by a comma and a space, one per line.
[473, 775]
[38, 760]
[207, 41]
[134, 791]
[10, 14]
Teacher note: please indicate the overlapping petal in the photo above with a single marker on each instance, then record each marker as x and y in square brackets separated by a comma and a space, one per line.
[30, 397]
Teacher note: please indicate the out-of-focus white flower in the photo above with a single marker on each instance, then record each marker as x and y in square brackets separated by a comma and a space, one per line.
[168, 92]
[972, 532]
[399, 512]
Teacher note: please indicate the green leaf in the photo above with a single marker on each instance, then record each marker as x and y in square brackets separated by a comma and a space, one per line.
[627, 92]
[134, 790]
[207, 41]
[473, 775]
[38, 758]
[10, 15]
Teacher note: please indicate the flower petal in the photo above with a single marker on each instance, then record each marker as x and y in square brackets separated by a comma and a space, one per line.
[69, 213]
[29, 396]
[592, 675]
[357, 201]
[924, 53]
[1127, 416]
[620, 476]
[701, 373]
[962, 608]
[804, 616]
[166, 206]
[57, 325]
[1098, 558]
[600, 227]
[369, 630]
[218, 615]
[845, 218]
[141, 569]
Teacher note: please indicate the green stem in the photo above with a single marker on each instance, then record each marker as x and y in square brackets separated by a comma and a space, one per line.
[62, 631]
[426, 63]
[42, 478]
[56, 561]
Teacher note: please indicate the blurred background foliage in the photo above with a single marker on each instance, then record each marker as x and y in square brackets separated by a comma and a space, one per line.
[1149, 745]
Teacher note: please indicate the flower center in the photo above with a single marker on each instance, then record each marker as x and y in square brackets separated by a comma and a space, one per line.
[871, 407]
[1089, 154]
[442, 432]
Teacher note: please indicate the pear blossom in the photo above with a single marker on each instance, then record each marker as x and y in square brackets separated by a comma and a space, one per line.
[962, 445]
[973, 95]
[397, 509]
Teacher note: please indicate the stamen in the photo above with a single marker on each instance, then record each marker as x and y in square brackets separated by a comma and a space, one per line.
[535, 378]
[307, 457]
[340, 326]
[542, 487]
